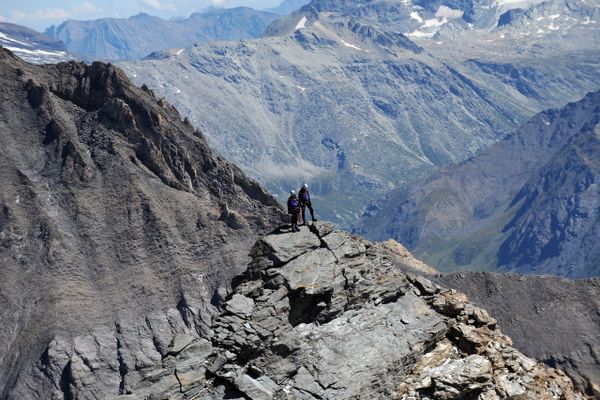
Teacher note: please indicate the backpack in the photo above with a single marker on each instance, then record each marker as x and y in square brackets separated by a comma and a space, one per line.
[292, 204]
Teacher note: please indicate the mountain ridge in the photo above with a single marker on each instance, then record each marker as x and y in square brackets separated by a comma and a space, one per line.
[324, 91]
[118, 225]
[139, 35]
[294, 327]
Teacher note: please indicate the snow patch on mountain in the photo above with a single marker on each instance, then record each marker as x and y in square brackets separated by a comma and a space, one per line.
[5, 38]
[449, 13]
[350, 45]
[415, 15]
[18, 50]
[301, 24]
[510, 4]
[431, 26]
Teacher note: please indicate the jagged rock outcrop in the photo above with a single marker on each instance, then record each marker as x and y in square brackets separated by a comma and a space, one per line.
[551, 319]
[322, 314]
[118, 227]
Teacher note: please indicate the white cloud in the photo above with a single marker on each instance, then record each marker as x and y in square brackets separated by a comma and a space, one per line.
[1, 18]
[54, 13]
[218, 3]
[79, 11]
[87, 8]
[41, 15]
[160, 5]
[18, 15]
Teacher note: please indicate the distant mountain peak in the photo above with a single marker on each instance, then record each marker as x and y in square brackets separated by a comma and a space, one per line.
[526, 204]
[32, 46]
[139, 35]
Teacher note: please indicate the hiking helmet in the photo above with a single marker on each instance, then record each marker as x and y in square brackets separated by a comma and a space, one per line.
[305, 186]
[292, 192]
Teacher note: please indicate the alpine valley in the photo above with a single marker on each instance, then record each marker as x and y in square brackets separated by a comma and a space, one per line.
[358, 97]
[139, 261]
[530, 203]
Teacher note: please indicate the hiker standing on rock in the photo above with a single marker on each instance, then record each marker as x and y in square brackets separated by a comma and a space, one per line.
[305, 202]
[294, 209]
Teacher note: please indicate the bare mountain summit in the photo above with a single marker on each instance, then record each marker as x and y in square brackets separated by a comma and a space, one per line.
[321, 314]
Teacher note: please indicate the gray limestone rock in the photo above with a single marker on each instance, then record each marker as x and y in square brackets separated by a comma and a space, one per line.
[352, 326]
[460, 377]
[240, 305]
[180, 342]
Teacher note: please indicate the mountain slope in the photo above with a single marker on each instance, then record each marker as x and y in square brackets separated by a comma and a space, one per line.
[30, 45]
[335, 96]
[528, 204]
[118, 225]
[142, 34]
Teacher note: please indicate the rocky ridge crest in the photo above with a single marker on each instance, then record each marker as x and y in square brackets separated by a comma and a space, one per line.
[322, 314]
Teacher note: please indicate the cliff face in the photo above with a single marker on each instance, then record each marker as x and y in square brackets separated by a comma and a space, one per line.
[322, 314]
[117, 226]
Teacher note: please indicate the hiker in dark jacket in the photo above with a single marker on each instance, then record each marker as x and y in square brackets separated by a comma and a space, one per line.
[305, 202]
[294, 209]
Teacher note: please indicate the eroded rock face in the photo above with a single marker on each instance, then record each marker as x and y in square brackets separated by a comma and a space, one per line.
[322, 314]
[113, 230]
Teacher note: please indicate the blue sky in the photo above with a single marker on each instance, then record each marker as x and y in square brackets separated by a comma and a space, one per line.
[40, 14]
